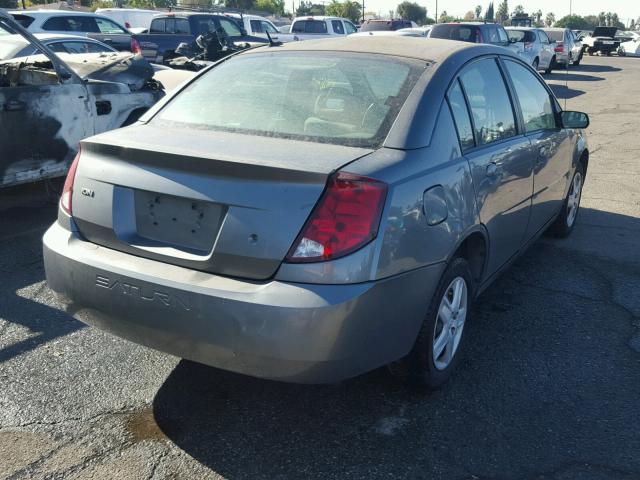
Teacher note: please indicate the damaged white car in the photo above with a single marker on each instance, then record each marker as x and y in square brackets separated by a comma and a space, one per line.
[49, 102]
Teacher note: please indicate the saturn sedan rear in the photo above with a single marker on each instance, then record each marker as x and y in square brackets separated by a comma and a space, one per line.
[313, 211]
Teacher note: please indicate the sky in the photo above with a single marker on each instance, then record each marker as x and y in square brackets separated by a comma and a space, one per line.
[626, 9]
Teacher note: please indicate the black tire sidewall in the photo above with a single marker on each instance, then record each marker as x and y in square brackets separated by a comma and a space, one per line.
[421, 368]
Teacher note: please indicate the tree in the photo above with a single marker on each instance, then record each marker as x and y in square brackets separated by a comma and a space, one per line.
[478, 11]
[519, 10]
[602, 19]
[412, 11]
[550, 19]
[488, 14]
[469, 16]
[445, 18]
[502, 15]
[275, 7]
[307, 8]
[347, 9]
[538, 18]
[574, 22]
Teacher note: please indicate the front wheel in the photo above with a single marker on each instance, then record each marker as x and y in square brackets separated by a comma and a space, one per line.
[563, 225]
[436, 351]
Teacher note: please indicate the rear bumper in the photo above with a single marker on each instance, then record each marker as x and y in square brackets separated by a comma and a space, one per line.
[293, 332]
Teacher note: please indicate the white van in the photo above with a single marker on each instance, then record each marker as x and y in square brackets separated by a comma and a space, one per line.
[135, 19]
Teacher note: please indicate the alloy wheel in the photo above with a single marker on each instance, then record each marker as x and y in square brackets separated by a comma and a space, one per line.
[449, 324]
[573, 200]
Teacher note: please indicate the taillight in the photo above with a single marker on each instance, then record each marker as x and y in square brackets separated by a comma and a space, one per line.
[67, 190]
[528, 45]
[346, 218]
[135, 46]
[559, 47]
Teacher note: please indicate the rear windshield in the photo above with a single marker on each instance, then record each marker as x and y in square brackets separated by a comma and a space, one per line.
[309, 26]
[555, 35]
[464, 33]
[339, 98]
[382, 25]
[23, 20]
[521, 35]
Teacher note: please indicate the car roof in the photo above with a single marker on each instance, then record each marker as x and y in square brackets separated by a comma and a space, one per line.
[318, 17]
[420, 48]
[477, 24]
[52, 13]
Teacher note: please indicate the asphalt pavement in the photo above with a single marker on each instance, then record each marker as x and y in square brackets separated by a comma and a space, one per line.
[549, 387]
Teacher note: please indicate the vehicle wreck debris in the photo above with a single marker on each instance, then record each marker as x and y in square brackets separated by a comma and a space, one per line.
[49, 102]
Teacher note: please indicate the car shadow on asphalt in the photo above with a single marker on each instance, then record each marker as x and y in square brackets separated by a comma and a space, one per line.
[565, 92]
[592, 68]
[547, 382]
[562, 75]
[28, 216]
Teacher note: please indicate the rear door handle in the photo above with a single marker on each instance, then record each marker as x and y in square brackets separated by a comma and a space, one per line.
[14, 106]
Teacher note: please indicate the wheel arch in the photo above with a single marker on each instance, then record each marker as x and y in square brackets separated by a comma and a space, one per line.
[473, 246]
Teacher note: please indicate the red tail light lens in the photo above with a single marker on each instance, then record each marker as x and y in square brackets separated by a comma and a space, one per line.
[346, 218]
[559, 47]
[67, 190]
[135, 46]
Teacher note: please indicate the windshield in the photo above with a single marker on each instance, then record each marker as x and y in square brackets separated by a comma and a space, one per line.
[11, 45]
[344, 99]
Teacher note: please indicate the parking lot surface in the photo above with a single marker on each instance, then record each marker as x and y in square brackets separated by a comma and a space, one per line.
[549, 386]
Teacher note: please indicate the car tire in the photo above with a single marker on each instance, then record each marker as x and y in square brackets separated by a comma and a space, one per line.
[577, 61]
[566, 220]
[536, 64]
[421, 368]
[552, 65]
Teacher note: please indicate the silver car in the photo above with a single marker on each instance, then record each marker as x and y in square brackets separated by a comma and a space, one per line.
[313, 211]
[534, 46]
[567, 47]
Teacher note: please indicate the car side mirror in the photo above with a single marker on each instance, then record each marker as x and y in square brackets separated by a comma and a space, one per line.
[574, 119]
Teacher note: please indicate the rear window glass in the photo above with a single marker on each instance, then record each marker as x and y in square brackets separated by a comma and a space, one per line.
[463, 33]
[339, 98]
[555, 35]
[23, 20]
[384, 25]
[309, 26]
[521, 35]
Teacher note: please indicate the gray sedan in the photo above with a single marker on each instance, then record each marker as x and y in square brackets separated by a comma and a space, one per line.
[13, 46]
[334, 206]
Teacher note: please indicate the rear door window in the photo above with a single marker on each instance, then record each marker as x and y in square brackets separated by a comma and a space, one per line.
[337, 27]
[71, 24]
[460, 113]
[489, 101]
[533, 97]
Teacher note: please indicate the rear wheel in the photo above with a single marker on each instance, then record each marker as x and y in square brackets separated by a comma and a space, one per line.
[536, 64]
[563, 225]
[552, 65]
[436, 351]
[577, 61]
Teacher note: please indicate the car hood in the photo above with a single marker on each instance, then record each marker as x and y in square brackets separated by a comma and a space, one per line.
[120, 67]
[609, 32]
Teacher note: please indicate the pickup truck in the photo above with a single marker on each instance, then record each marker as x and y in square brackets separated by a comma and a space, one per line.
[168, 31]
[308, 28]
[601, 40]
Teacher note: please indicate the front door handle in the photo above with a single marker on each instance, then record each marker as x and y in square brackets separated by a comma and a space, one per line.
[14, 106]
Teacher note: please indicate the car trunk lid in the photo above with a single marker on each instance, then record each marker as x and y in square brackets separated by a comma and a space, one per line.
[224, 203]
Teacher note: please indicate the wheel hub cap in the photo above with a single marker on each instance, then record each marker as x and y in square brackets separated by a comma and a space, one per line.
[449, 324]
